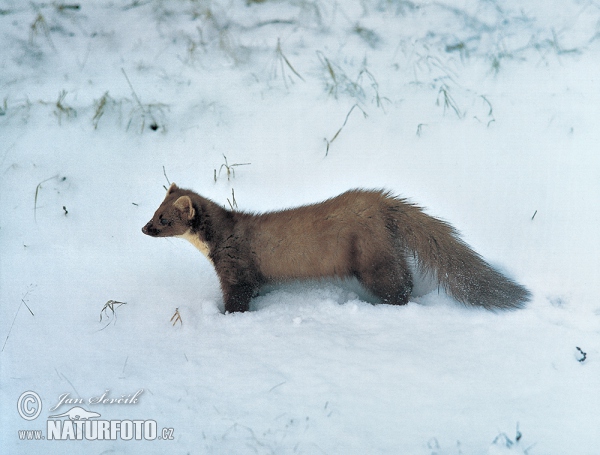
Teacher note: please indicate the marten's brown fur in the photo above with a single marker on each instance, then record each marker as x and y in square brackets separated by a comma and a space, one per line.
[370, 235]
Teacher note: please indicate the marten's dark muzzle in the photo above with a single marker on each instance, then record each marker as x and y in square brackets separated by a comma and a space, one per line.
[149, 229]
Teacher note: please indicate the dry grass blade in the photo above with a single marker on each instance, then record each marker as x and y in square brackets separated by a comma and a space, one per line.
[111, 305]
[37, 191]
[338, 82]
[145, 110]
[229, 168]
[283, 61]
[343, 125]
[40, 24]
[449, 102]
[99, 112]
[369, 36]
[62, 108]
[168, 181]
[329, 67]
[135, 96]
[233, 202]
[374, 85]
[135, 4]
[100, 108]
[491, 111]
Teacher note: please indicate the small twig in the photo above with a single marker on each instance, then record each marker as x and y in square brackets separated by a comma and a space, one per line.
[64, 6]
[16, 314]
[583, 354]
[66, 211]
[176, 317]
[165, 172]
[11, 327]
[278, 385]
[534, 214]
[229, 168]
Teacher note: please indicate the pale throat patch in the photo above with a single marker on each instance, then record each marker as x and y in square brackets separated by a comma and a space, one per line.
[195, 240]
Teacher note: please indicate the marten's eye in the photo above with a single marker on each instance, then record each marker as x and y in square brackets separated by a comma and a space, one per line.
[164, 221]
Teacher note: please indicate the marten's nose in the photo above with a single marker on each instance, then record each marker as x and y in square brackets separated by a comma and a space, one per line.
[149, 230]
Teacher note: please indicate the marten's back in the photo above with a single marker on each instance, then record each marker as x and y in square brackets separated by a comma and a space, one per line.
[319, 240]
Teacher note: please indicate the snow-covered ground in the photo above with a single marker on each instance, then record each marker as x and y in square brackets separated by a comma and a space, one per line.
[485, 112]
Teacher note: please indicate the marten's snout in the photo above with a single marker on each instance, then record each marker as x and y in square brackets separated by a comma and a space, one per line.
[149, 229]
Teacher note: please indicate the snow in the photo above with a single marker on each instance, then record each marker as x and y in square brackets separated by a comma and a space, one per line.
[484, 112]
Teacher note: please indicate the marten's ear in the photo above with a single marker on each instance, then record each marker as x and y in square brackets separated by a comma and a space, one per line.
[184, 203]
[172, 188]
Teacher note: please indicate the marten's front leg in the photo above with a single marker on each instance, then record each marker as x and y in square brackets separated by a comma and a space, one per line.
[237, 296]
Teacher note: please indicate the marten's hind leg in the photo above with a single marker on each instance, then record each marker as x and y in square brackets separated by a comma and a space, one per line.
[389, 278]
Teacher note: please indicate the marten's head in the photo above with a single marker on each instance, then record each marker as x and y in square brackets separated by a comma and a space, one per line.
[173, 217]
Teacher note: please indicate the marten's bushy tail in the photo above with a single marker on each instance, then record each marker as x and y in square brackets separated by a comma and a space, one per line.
[459, 270]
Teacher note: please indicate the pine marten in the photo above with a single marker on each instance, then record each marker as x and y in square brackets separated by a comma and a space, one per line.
[380, 239]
